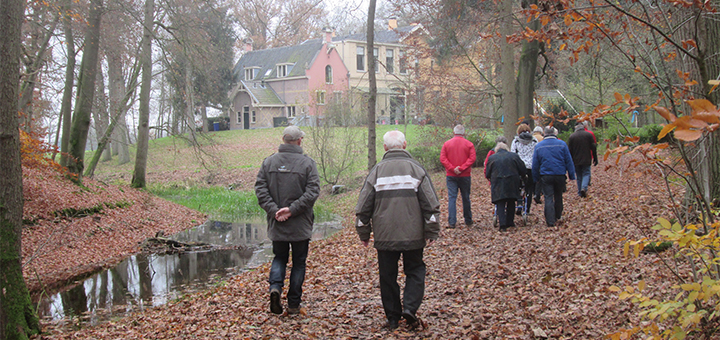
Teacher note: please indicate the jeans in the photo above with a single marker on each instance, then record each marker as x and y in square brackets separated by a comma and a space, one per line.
[414, 268]
[453, 184]
[583, 177]
[281, 250]
[553, 188]
[505, 210]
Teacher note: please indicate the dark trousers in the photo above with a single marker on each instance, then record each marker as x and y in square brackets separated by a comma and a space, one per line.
[297, 274]
[453, 185]
[529, 190]
[414, 268]
[553, 187]
[505, 210]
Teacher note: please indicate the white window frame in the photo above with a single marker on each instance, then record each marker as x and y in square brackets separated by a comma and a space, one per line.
[376, 57]
[320, 97]
[291, 111]
[282, 70]
[402, 63]
[390, 61]
[330, 79]
[360, 58]
[239, 117]
[251, 73]
[337, 97]
[253, 117]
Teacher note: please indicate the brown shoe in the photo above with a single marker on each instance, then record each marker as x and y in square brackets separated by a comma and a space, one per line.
[275, 305]
[293, 310]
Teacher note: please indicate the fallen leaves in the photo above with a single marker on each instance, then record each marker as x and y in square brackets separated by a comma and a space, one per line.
[532, 282]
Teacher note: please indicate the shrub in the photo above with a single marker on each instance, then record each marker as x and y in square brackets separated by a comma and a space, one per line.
[428, 156]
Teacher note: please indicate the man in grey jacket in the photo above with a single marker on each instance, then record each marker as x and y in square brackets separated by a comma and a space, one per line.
[398, 204]
[287, 187]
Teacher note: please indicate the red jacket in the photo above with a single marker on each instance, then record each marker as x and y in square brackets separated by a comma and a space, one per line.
[458, 151]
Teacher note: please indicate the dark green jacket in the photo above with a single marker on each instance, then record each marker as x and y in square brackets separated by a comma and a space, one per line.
[398, 204]
[288, 178]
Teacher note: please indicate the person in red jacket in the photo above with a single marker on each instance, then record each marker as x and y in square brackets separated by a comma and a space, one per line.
[457, 156]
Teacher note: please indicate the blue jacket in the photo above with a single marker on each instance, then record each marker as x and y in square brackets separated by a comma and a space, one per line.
[552, 157]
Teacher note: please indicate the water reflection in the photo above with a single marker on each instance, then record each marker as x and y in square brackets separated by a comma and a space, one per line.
[147, 280]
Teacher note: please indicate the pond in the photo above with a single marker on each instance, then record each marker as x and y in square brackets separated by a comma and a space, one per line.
[149, 280]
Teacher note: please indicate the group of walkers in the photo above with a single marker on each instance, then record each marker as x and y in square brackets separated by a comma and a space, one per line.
[399, 207]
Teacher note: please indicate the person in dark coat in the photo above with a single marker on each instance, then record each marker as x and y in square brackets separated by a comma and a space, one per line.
[505, 170]
[287, 187]
[583, 150]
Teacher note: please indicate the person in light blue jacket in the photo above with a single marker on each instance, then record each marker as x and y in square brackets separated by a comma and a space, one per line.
[551, 161]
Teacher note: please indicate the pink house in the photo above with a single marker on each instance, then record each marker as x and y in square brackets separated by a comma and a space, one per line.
[286, 85]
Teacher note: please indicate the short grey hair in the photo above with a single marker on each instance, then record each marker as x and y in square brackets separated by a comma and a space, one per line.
[550, 131]
[501, 146]
[394, 139]
[459, 129]
[501, 139]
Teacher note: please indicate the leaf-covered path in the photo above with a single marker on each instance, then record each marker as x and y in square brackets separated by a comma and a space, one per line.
[531, 282]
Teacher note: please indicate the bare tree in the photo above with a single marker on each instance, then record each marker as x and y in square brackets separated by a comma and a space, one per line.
[17, 316]
[86, 92]
[372, 95]
[138, 179]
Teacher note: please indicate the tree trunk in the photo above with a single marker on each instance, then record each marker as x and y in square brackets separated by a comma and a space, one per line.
[32, 69]
[138, 180]
[372, 98]
[18, 319]
[526, 73]
[100, 113]
[86, 92]
[190, 100]
[66, 106]
[118, 105]
[510, 107]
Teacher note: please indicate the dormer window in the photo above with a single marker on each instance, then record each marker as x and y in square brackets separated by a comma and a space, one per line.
[251, 73]
[283, 70]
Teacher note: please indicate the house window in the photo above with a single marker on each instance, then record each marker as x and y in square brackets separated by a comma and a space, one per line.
[250, 73]
[376, 53]
[360, 58]
[291, 111]
[321, 97]
[282, 71]
[389, 61]
[328, 74]
[402, 62]
[253, 117]
[337, 97]
[239, 117]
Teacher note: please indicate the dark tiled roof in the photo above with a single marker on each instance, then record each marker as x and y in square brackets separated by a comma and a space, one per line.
[387, 36]
[264, 95]
[299, 56]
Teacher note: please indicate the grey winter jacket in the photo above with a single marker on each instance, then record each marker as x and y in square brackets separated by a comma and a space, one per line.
[398, 204]
[288, 178]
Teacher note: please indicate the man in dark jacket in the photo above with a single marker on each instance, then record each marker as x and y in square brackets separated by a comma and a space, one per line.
[583, 150]
[398, 204]
[287, 187]
[505, 171]
[551, 161]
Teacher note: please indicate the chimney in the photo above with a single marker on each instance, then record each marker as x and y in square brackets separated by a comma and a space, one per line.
[247, 45]
[392, 23]
[329, 34]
